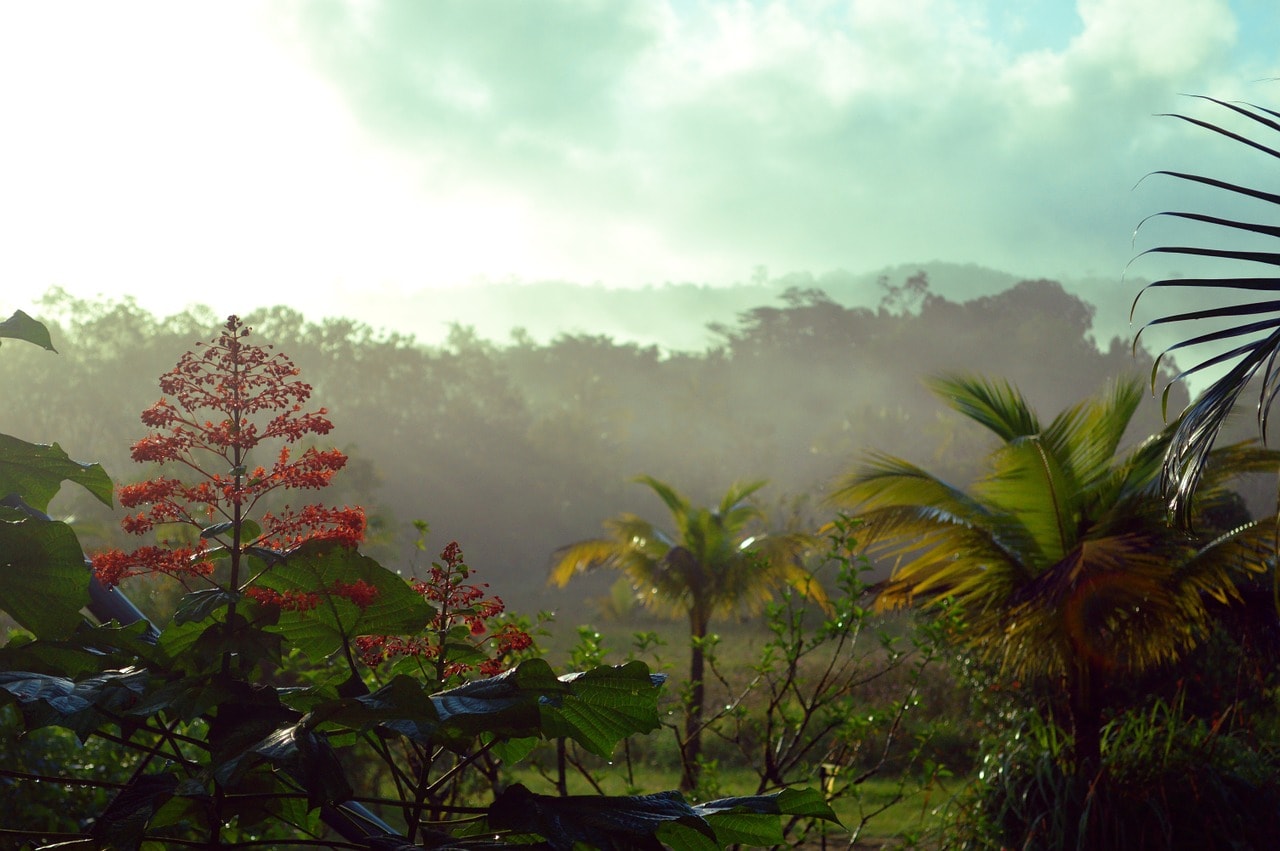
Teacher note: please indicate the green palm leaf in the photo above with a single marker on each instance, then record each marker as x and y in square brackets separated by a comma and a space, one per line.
[996, 405]
[1060, 549]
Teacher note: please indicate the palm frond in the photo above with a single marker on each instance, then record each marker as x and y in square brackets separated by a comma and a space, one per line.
[1216, 567]
[1199, 425]
[581, 557]
[1109, 603]
[883, 480]
[1031, 483]
[1088, 435]
[736, 497]
[996, 405]
[676, 504]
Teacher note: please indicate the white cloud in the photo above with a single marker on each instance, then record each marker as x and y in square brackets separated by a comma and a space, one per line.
[1168, 39]
[401, 143]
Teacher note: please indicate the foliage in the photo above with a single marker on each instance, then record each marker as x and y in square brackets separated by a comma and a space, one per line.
[806, 711]
[1242, 318]
[1173, 782]
[235, 745]
[1058, 562]
[461, 426]
[719, 562]
[849, 698]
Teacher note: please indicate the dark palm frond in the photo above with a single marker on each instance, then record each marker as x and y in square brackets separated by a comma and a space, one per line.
[1199, 425]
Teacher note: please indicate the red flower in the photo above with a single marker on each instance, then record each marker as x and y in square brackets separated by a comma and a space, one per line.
[222, 402]
[457, 602]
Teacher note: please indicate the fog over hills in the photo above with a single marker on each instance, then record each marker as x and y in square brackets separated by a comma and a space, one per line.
[675, 316]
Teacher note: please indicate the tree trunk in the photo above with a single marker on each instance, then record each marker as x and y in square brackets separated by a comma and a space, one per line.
[1086, 722]
[691, 747]
[1086, 736]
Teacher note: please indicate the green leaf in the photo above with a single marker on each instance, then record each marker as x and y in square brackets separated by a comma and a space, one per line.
[124, 822]
[512, 751]
[90, 649]
[683, 837]
[198, 646]
[310, 760]
[756, 819]
[35, 472]
[48, 700]
[198, 605]
[597, 821]
[597, 708]
[803, 802]
[44, 582]
[397, 609]
[402, 705]
[249, 530]
[20, 326]
[604, 706]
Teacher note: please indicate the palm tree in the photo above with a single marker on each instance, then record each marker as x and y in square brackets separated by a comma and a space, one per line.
[719, 562]
[1244, 319]
[1059, 560]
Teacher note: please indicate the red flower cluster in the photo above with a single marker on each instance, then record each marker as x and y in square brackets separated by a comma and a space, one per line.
[222, 402]
[114, 566]
[359, 592]
[289, 601]
[458, 603]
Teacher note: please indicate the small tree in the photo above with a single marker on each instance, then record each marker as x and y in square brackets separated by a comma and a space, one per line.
[720, 562]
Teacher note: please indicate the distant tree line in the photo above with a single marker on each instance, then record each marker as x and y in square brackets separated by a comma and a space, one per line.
[517, 448]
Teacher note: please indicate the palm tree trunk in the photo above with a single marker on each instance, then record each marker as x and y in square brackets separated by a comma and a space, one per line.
[691, 747]
[1086, 721]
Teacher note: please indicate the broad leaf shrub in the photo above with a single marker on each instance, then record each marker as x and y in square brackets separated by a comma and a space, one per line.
[293, 661]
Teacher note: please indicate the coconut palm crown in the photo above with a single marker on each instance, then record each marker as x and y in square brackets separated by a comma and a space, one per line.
[720, 562]
[1059, 559]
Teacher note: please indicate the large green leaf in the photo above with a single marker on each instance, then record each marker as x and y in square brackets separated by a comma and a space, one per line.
[88, 650]
[35, 472]
[124, 822]
[608, 824]
[309, 758]
[44, 582]
[21, 326]
[755, 820]
[603, 706]
[597, 708]
[657, 821]
[397, 609]
[61, 701]
[401, 705]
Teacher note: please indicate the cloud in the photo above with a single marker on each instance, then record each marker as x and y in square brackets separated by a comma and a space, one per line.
[399, 143]
[709, 137]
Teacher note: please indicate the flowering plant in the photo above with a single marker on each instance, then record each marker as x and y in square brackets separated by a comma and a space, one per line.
[459, 638]
[228, 400]
[232, 740]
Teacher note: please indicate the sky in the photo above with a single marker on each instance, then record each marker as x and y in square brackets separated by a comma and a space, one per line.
[318, 153]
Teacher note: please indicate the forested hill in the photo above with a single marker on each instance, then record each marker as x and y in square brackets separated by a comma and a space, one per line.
[514, 448]
[675, 315]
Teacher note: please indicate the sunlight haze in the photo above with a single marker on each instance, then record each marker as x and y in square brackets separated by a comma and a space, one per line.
[332, 156]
